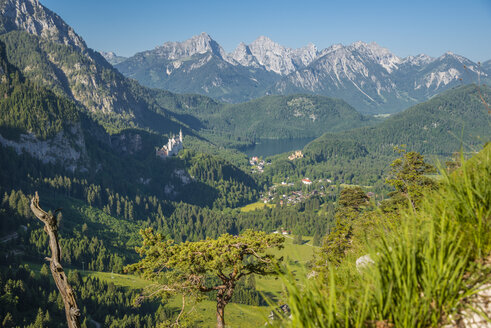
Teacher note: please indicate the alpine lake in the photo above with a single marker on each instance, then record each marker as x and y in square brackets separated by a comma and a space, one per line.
[269, 147]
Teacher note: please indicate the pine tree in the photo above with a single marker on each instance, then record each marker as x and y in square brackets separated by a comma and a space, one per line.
[228, 259]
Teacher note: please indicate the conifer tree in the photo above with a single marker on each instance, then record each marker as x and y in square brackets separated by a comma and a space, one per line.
[409, 178]
[186, 268]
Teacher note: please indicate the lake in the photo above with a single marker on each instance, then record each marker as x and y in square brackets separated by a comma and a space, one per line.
[269, 147]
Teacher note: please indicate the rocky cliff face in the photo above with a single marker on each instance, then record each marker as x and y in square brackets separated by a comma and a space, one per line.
[242, 55]
[127, 143]
[60, 59]
[31, 16]
[198, 44]
[273, 56]
[66, 148]
[199, 65]
[373, 79]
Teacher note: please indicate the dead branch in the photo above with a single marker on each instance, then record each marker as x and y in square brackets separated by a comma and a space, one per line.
[51, 227]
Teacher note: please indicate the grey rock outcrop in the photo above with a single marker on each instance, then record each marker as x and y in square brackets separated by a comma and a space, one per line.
[31, 16]
[273, 56]
[69, 151]
[199, 44]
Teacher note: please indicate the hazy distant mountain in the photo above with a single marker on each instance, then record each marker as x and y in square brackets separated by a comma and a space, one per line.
[360, 73]
[487, 66]
[367, 76]
[112, 58]
[372, 79]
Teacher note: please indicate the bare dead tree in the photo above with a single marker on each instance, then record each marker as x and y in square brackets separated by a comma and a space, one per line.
[51, 228]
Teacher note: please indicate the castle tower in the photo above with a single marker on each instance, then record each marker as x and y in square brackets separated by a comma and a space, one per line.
[180, 135]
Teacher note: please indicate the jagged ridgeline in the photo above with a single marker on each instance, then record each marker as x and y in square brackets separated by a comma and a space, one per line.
[367, 76]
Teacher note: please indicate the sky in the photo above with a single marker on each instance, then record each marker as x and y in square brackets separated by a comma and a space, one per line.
[407, 27]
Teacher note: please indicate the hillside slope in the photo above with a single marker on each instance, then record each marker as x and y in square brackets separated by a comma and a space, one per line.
[439, 126]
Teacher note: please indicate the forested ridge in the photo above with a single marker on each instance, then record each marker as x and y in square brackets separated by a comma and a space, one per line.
[456, 119]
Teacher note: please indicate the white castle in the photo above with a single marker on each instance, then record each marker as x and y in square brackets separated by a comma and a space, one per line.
[172, 148]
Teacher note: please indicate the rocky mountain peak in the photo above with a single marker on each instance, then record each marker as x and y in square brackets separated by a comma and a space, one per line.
[332, 48]
[112, 58]
[370, 48]
[379, 54]
[263, 44]
[264, 40]
[451, 55]
[279, 59]
[198, 44]
[418, 60]
[305, 55]
[243, 56]
[32, 17]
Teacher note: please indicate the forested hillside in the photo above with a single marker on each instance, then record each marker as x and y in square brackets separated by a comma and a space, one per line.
[439, 127]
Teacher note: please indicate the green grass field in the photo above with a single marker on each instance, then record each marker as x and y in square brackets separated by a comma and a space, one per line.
[255, 206]
[125, 280]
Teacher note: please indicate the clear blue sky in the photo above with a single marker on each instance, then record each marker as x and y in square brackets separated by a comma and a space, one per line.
[405, 27]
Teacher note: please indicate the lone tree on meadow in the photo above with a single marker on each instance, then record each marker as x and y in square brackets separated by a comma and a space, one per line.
[184, 268]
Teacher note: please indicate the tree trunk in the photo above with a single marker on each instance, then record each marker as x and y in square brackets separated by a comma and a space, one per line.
[51, 227]
[223, 297]
[221, 308]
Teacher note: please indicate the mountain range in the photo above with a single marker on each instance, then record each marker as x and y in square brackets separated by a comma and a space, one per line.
[366, 75]
[49, 53]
